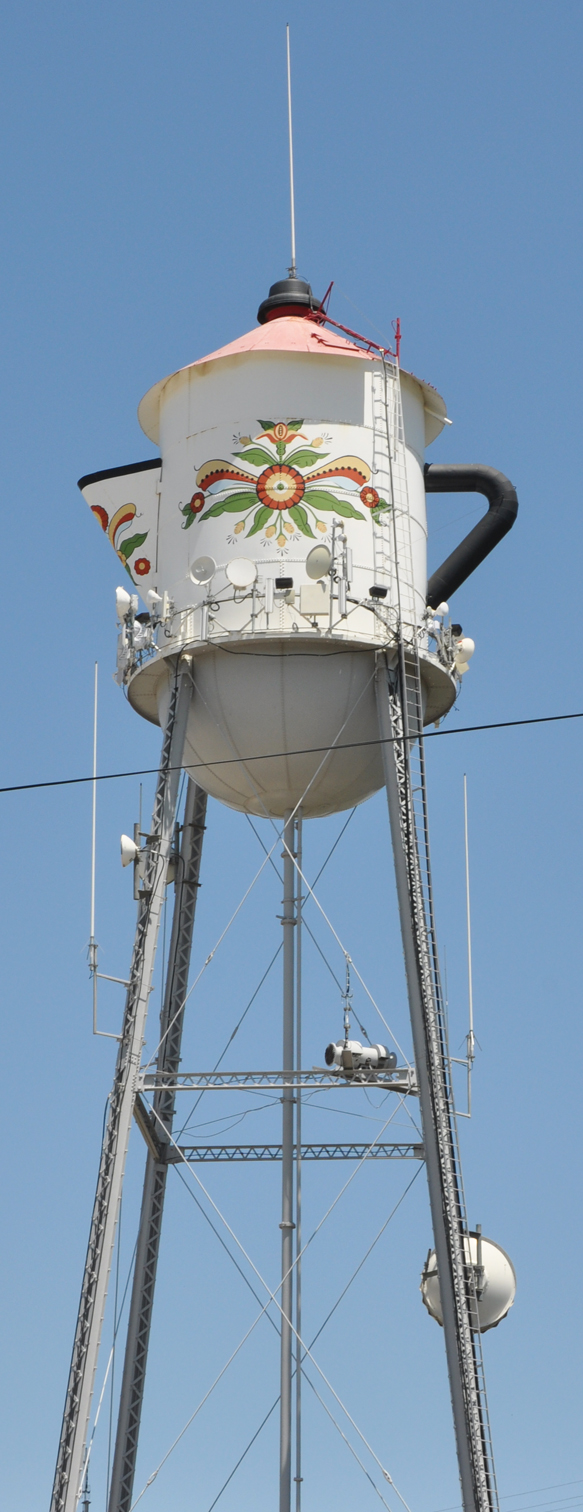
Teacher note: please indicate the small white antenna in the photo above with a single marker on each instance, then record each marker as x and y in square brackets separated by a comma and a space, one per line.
[292, 269]
[92, 940]
[92, 952]
[470, 1038]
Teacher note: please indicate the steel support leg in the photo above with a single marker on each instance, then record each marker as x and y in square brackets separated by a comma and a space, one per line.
[287, 1169]
[148, 1245]
[443, 1176]
[70, 1460]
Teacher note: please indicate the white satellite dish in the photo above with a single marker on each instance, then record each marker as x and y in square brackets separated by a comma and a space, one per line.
[129, 850]
[203, 569]
[495, 1278]
[318, 562]
[241, 572]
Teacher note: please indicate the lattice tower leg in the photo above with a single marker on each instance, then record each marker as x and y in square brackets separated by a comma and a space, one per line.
[399, 713]
[70, 1458]
[287, 1168]
[148, 1245]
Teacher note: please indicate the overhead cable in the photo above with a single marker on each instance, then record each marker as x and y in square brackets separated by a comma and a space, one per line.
[350, 745]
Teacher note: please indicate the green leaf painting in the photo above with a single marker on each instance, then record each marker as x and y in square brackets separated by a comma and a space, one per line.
[233, 504]
[319, 498]
[298, 514]
[305, 457]
[131, 544]
[261, 517]
[256, 456]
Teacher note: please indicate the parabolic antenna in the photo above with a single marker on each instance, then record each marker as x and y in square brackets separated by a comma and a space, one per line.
[495, 1278]
[203, 569]
[241, 572]
[318, 562]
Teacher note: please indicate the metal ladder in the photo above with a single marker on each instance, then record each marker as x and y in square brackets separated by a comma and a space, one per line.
[400, 709]
[393, 555]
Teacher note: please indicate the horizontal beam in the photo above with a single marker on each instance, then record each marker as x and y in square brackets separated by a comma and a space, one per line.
[194, 1154]
[402, 1081]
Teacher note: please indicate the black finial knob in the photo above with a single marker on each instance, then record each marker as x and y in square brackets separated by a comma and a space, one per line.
[291, 296]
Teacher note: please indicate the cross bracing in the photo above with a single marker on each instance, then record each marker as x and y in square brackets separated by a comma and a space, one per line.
[328, 1151]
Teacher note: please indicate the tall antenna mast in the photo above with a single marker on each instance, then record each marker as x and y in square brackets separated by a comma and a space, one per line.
[92, 940]
[470, 1038]
[292, 269]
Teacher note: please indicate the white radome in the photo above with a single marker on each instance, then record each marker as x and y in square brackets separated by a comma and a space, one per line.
[498, 1285]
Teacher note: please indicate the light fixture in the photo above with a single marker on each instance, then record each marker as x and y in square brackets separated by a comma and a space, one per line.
[350, 1055]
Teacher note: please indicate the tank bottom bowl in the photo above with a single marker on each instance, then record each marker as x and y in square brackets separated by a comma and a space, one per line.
[283, 723]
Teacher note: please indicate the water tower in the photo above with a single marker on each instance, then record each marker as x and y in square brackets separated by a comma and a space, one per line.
[292, 651]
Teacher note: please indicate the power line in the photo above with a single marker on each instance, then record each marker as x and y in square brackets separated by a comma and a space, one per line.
[533, 1491]
[350, 745]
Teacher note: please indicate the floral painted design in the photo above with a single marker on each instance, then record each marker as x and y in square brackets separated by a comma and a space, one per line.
[124, 545]
[292, 479]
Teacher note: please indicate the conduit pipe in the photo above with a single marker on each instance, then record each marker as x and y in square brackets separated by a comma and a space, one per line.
[503, 508]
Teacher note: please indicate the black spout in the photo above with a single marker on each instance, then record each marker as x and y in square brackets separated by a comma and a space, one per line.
[501, 496]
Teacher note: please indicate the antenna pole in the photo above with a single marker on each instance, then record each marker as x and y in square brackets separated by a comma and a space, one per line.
[298, 1474]
[292, 269]
[92, 940]
[470, 1038]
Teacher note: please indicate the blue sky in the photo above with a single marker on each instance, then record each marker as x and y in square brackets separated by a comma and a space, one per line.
[145, 213]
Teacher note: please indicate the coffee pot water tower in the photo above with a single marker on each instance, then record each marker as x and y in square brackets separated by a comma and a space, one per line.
[292, 651]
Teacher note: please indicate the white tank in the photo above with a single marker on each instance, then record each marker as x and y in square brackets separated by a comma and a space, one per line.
[287, 440]
[495, 1282]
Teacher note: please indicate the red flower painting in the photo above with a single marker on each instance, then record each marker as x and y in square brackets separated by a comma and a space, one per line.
[280, 486]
